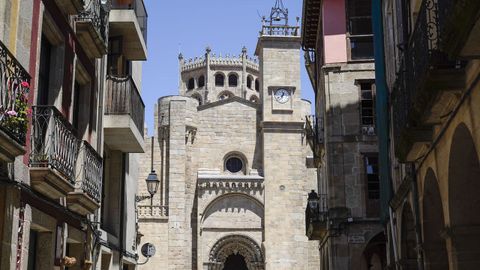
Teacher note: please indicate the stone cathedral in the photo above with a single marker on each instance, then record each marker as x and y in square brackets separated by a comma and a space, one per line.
[233, 162]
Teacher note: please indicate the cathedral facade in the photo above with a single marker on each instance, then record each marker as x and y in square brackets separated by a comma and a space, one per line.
[233, 163]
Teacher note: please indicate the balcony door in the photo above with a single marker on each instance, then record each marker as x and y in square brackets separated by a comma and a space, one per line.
[117, 64]
[44, 71]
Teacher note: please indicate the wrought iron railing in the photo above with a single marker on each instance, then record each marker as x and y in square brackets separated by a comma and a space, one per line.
[420, 58]
[53, 142]
[96, 13]
[138, 6]
[90, 178]
[280, 30]
[122, 97]
[14, 87]
[314, 130]
[454, 17]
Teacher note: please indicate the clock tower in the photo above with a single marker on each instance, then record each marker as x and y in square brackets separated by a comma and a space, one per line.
[284, 155]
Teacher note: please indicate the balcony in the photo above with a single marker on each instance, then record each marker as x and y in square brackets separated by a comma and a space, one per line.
[14, 87]
[316, 217]
[459, 22]
[426, 87]
[54, 153]
[280, 30]
[88, 186]
[152, 212]
[91, 26]
[124, 115]
[315, 137]
[128, 19]
[70, 7]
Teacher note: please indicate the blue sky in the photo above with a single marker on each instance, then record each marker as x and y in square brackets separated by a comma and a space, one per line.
[191, 25]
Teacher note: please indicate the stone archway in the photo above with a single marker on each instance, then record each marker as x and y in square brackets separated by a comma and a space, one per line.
[464, 201]
[436, 256]
[375, 255]
[236, 245]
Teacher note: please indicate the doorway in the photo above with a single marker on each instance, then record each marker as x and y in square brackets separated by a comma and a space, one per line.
[235, 262]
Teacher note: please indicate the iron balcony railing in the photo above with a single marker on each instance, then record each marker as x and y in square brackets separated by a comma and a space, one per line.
[315, 132]
[456, 19]
[421, 57]
[123, 98]
[97, 13]
[14, 87]
[138, 6]
[53, 142]
[90, 178]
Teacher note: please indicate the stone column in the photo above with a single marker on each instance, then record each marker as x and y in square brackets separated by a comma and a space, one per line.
[177, 241]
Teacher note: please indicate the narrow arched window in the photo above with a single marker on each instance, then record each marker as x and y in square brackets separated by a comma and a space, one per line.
[191, 84]
[219, 80]
[201, 81]
[232, 80]
[257, 85]
[249, 82]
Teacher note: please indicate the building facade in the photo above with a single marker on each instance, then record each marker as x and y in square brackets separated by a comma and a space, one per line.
[344, 212]
[232, 160]
[431, 76]
[70, 79]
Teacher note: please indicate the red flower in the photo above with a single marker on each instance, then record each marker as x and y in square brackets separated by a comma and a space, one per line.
[25, 84]
[29, 111]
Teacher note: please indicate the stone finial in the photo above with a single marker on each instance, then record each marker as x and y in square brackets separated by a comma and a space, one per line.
[180, 56]
[208, 49]
[244, 50]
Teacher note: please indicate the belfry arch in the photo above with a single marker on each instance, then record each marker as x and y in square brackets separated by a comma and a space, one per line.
[236, 245]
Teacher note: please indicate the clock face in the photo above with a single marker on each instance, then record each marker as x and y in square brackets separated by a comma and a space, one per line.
[282, 95]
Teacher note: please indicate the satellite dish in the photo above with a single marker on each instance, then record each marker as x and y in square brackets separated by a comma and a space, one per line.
[148, 250]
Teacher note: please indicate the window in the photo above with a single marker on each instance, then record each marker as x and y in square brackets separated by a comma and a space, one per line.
[367, 107]
[201, 81]
[372, 185]
[359, 24]
[44, 71]
[219, 80]
[234, 164]
[254, 99]
[249, 82]
[257, 85]
[191, 84]
[232, 80]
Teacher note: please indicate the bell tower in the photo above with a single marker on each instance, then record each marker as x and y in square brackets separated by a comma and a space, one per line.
[283, 110]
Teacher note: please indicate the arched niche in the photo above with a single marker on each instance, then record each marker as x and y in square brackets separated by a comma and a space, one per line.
[464, 199]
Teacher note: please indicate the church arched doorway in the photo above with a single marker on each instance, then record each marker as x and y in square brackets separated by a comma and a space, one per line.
[235, 262]
[236, 252]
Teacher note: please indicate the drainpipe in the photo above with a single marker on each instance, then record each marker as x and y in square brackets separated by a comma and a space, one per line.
[418, 229]
[382, 110]
[383, 125]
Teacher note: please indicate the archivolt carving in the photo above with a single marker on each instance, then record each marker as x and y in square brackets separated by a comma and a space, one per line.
[236, 244]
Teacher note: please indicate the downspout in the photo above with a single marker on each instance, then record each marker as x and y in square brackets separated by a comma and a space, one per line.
[383, 125]
[382, 110]
[418, 229]
[122, 212]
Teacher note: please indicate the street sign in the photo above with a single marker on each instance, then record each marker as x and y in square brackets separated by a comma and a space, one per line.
[148, 250]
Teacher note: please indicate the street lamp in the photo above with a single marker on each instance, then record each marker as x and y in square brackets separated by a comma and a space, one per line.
[313, 200]
[151, 181]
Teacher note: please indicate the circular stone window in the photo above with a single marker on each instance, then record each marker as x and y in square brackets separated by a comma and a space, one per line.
[234, 164]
